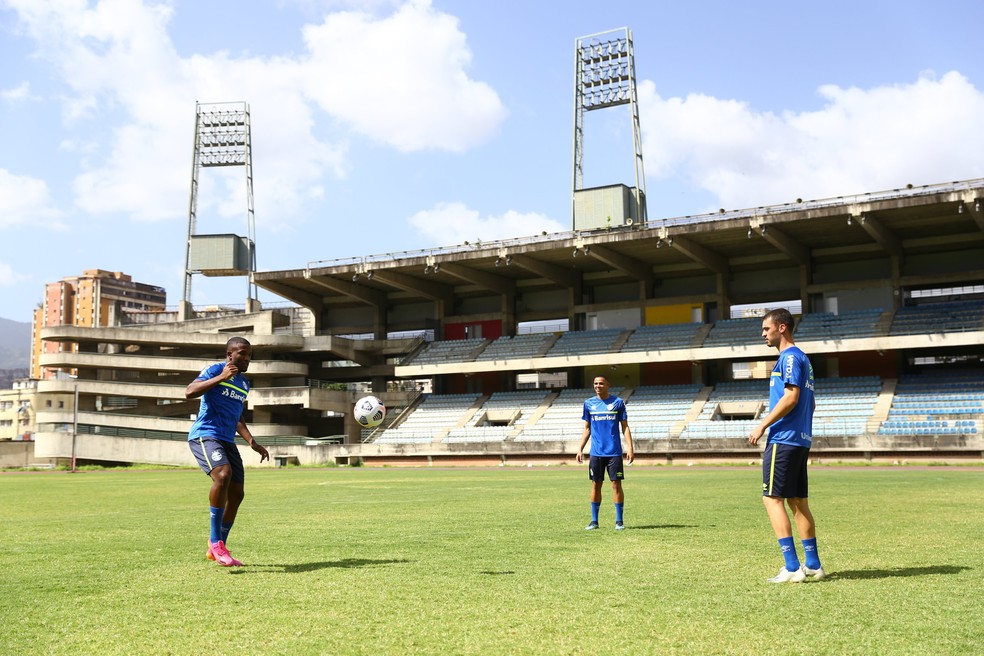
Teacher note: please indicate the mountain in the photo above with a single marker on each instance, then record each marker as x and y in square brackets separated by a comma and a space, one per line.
[15, 344]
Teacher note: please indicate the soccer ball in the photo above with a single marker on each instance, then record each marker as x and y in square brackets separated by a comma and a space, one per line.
[369, 411]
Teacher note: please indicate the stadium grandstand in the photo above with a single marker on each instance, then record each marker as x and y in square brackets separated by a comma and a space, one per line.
[484, 352]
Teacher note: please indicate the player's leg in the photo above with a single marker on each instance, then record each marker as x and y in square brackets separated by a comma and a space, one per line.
[619, 497]
[616, 473]
[212, 458]
[775, 507]
[236, 492]
[618, 494]
[218, 494]
[595, 504]
[774, 482]
[218, 497]
[596, 473]
[806, 526]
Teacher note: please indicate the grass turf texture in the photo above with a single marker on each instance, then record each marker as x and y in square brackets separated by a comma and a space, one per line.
[478, 561]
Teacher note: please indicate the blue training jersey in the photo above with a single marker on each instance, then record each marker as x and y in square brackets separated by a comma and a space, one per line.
[796, 428]
[605, 416]
[221, 407]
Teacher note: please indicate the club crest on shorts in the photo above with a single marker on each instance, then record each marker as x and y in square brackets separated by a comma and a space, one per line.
[216, 455]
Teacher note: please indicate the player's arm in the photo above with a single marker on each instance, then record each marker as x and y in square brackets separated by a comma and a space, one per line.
[199, 386]
[788, 400]
[584, 440]
[627, 436]
[243, 431]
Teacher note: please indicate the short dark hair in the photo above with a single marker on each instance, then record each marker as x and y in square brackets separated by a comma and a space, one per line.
[780, 317]
[236, 341]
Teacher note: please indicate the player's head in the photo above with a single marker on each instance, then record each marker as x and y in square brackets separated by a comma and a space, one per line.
[777, 325]
[239, 352]
[601, 387]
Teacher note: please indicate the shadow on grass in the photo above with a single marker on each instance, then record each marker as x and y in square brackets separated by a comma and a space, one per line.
[300, 568]
[897, 571]
[504, 572]
[657, 527]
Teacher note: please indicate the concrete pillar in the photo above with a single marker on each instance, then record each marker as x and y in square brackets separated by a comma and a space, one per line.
[185, 311]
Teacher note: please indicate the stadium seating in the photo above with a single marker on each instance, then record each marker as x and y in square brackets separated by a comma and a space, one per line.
[584, 342]
[844, 405]
[435, 415]
[748, 392]
[662, 337]
[514, 348]
[734, 332]
[562, 420]
[926, 404]
[826, 326]
[936, 404]
[518, 406]
[818, 326]
[654, 410]
[960, 316]
[449, 350]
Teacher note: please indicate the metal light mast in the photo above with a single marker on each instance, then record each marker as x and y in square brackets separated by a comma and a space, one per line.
[222, 138]
[605, 77]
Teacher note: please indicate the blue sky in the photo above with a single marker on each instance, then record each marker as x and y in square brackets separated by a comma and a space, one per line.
[385, 126]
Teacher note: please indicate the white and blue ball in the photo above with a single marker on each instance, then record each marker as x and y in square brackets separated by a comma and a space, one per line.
[369, 411]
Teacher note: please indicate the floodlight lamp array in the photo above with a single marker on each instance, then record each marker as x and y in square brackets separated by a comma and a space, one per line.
[222, 138]
[222, 158]
[596, 99]
[222, 119]
[606, 74]
[605, 50]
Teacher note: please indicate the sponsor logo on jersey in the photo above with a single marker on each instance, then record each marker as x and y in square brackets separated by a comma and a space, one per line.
[233, 394]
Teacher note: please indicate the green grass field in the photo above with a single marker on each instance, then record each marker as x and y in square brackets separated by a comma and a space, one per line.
[480, 561]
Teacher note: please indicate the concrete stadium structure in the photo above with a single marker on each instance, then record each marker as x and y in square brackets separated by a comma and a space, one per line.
[364, 323]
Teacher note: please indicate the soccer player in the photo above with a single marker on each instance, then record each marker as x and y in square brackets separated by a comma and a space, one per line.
[212, 440]
[787, 449]
[603, 415]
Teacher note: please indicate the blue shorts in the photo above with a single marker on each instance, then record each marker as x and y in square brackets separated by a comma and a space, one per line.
[598, 464]
[211, 453]
[784, 471]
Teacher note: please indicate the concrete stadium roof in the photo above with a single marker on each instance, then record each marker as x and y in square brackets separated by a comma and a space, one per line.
[898, 223]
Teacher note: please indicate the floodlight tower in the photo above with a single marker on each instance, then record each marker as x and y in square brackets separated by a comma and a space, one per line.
[222, 138]
[605, 77]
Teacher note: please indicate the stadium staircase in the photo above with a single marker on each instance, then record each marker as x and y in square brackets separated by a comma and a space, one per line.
[693, 413]
[883, 405]
[620, 340]
[884, 323]
[701, 335]
[535, 417]
[549, 344]
[464, 420]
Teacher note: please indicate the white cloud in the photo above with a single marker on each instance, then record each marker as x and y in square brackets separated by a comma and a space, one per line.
[402, 79]
[454, 223]
[9, 277]
[17, 94]
[120, 66]
[861, 140]
[25, 199]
